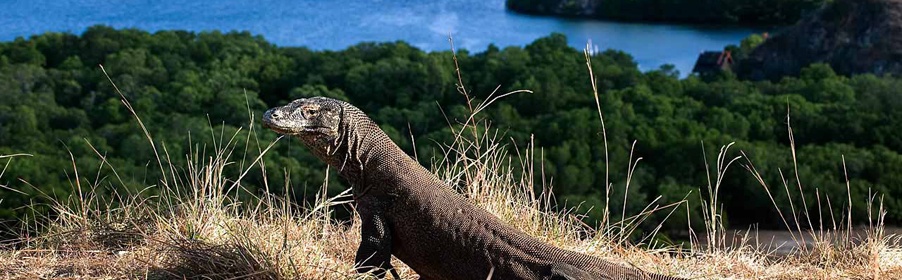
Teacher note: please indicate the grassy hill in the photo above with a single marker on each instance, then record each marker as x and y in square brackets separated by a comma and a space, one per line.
[58, 106]
[195, 188]
[198, 228]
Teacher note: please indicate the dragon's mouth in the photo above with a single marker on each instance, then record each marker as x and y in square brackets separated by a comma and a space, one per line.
[281, 129]
[297, 131]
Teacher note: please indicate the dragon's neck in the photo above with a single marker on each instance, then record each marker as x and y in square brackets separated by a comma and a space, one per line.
[360, 145]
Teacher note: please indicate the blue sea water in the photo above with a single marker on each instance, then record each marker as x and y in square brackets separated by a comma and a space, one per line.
[337, 24]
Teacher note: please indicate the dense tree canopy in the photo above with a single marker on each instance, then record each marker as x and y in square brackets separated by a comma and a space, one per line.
[186, 86]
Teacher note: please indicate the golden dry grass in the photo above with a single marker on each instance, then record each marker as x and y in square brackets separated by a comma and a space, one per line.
[197, 228]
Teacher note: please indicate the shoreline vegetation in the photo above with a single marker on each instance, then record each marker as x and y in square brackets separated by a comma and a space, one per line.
[744, 12]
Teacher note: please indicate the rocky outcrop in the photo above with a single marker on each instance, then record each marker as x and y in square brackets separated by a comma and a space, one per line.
[767, 12]
[852, 36]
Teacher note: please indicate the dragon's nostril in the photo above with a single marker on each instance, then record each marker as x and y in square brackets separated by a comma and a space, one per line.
[275, 114]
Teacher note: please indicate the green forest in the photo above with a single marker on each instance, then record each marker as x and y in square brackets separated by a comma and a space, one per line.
[185, 86]
[766, 12]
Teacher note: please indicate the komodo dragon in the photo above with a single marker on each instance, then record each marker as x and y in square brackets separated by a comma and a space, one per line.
[406, 211]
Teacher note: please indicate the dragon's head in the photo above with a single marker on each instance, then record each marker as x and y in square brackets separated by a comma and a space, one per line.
[317, 119]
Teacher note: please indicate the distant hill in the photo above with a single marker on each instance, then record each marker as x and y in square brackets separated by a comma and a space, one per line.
[853, 36]
[768, 12]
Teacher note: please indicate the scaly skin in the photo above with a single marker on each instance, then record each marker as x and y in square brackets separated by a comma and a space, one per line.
[406, 211]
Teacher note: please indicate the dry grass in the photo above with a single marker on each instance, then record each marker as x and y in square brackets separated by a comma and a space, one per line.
[197, 228]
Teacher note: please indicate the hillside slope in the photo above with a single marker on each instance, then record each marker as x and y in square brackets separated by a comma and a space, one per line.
[853, 36]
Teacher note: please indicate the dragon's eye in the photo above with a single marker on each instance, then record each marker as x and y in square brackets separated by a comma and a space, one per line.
[309, 112]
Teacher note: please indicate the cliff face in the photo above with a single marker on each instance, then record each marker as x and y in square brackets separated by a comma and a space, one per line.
[853, 36]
